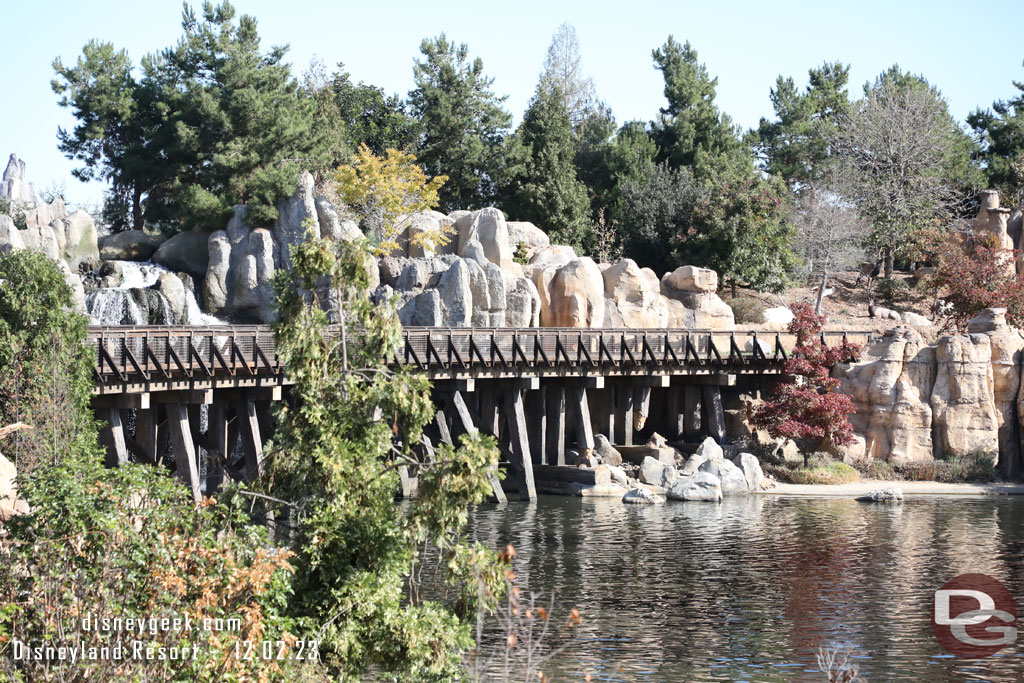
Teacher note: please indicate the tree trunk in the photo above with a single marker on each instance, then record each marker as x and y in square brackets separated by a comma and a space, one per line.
[137, 208]
[888, 258]
[821, 293]
[733, 288]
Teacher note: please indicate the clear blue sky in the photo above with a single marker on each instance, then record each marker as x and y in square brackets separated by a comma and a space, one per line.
[971, 50]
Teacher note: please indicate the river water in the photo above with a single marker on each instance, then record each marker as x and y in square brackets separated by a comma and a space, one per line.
[751, 589]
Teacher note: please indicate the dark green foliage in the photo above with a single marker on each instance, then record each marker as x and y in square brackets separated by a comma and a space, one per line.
[746, 309]
[1000, 131]
[654, 211]
[794, 146]
[211, 122]
[542, 186]
[462, 123]
[45, 368]
[892, 290]
[691, 131]
[335, 461]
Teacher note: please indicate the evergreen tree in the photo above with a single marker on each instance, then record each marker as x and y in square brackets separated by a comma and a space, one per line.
[794, 146]
[562, 70]
[462, 123]
[211, 122]
[543, 187]
[1000, 131]
[691, 131]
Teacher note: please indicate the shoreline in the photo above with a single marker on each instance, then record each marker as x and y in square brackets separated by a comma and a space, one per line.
[909, 488]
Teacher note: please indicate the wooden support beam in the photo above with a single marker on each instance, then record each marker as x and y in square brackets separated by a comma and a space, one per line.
[252, 443]
[218, 433]
[139, 401]
[146, 423]
[184, 450]
[624, 414]
[674, 413]
[538, 415]
[713, 379]
[554, 402]
[469, 426]
[112, 436]
[272, 393]
[441, 422]
[656, 381]
[490, 414]
[691, 412]
[184, 397]
[522, 460]
[641, 405]
[581, 416]
[713, 411]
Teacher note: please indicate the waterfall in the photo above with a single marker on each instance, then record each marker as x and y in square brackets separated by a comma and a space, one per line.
[134, 302]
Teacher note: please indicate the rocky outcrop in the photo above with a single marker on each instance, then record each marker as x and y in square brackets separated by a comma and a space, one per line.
[187, 251]
[14, 187]
[891, 387]
[576, 296]
[695, 288]
[1007, 345]
[488, 227]
[963, 404]
[633, 297]
[129, 245]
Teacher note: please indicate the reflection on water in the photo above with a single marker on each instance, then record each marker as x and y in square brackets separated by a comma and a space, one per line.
[752, 588]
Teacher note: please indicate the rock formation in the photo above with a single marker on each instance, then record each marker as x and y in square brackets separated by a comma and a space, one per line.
[13, 186]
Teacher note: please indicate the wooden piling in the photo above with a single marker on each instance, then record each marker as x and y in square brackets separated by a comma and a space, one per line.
[555, 405]
[624, 415]
[691, 413]
[581, 417]
[184, 450]
[113, 437]
[523, 462]
[714, 412]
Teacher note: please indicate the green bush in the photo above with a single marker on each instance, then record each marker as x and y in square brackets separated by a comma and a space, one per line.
[521, 256]
[832, 473]
[892, 290]
[747, 309]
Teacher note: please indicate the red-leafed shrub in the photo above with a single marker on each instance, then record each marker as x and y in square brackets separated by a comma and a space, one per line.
[975, 274]
[808, 410]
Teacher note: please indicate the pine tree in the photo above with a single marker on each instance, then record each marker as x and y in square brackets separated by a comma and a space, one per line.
[1001, 133]
[543, 187]
[461, 121]
[795, 146]
[691, 131]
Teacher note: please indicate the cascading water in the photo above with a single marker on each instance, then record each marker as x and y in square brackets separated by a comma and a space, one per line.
[135, 302]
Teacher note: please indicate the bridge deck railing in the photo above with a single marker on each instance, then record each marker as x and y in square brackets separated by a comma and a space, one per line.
[165, 352]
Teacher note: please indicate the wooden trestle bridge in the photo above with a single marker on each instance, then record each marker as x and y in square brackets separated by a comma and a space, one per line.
[538, 390]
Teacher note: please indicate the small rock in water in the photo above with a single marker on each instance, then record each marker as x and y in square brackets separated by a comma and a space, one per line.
[893, 495]
[731, 477]
[701, 486]
[641, 496]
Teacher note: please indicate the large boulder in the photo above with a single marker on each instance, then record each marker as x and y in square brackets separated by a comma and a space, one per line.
[171, 286]
[731, 477]
[528, 234]
[692, 279]
[751, 468]
[295, 217]
[79, 238]
[891, 386]
[633, 297]
[13, 185]
[576, 296]
[488, 227]
[522, 307]
[657, 473]
[554, 256]
[606, 451]
[456, 295]
[638, 495]
[963, 407]
[702, 486]
[10, 236]
[187, 251]
[1007, 346]
[129, 245]
[702, 308]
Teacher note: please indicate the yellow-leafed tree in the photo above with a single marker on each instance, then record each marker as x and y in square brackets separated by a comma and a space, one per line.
[385, 191]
